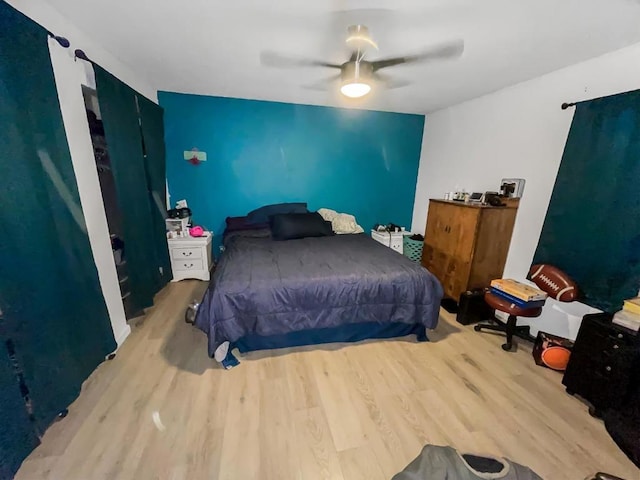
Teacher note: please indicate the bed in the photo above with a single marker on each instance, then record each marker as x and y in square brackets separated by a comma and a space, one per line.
[269, 294]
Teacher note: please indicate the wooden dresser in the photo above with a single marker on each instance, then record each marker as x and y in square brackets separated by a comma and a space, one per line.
[466, 245]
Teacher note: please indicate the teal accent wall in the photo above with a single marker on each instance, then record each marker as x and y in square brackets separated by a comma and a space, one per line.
[258, 153]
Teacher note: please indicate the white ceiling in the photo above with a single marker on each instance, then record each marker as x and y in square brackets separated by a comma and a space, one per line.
[212, 47]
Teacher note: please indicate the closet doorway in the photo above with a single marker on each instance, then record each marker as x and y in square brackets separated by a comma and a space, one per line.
[109, 197]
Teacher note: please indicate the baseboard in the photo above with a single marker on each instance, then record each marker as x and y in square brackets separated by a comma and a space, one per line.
[122, 336]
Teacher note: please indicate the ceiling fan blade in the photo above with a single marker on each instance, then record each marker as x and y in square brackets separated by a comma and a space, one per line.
[447, 50]
[389, 82]
[322, 85]
[272, 59]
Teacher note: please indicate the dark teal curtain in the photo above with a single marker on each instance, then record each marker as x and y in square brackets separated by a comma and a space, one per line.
[17, 435]
[152, 123]
[119, 110]
[592, 227]
[53, 310]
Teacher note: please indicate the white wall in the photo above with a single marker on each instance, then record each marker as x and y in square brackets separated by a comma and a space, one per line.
[518, 132]
[48, 17]
[70, 75]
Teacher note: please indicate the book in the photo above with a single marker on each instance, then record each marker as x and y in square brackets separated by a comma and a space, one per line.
[627, 319]
[632, 305]
[518, 289]
[517, 301]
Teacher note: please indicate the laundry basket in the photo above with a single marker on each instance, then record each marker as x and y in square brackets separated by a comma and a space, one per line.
[412, 249]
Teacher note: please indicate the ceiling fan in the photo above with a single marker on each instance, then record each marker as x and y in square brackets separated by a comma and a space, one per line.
[357, 74]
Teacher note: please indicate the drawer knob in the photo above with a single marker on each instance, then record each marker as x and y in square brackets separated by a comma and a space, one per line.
[188, 266]
[607, 368]
[187, 254]
[616, 346]
[620, 335]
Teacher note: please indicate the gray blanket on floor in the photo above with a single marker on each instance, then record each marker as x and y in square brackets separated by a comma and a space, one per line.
[445, 463]
[269, 287]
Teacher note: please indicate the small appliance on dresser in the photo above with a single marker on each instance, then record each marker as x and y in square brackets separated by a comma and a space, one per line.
[604, 364]
[191, 257]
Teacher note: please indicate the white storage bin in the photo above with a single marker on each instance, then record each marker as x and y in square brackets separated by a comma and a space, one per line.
[393, 240]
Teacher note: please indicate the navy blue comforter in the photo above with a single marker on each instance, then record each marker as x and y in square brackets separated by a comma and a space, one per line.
[268, 287]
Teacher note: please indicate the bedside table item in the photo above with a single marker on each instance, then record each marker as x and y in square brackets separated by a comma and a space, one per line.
[393, 240]
[196, 231]
[176, 224]
[602, 364]
[191, 257]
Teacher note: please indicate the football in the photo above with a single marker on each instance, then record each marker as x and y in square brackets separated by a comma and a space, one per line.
[555, 282]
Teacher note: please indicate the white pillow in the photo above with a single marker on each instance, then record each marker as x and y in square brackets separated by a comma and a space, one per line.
[341, 223]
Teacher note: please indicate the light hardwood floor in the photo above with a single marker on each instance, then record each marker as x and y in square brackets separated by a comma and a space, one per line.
[357, 411]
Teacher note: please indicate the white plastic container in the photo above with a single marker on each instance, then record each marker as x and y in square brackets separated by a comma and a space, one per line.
[393, 240]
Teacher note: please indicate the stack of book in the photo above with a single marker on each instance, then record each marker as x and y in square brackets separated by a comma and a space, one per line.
[520, 294]
[629, 316]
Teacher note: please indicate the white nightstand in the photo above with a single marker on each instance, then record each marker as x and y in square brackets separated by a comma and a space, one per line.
[393, 240]
[191, 257]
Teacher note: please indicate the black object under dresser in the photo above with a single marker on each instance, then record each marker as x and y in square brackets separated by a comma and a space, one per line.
[604, 367]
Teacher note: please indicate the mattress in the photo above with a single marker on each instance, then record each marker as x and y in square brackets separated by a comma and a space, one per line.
[268, 288]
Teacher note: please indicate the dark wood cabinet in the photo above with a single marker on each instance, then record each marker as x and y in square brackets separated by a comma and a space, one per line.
[466, 245]
[603, 368]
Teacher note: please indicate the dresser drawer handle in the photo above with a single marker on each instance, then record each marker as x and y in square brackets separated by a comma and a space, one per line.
[616, 346]
[620, 335]
[607, 368]
[187, 254]
[188, 266]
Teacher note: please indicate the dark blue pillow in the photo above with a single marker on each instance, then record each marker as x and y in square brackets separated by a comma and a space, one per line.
[289, 226]
[262, 214]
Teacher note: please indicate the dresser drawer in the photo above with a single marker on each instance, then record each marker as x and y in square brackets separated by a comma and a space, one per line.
[186, 253]
[397, 244]
[621, 338]
[188, 264]
[602, 363]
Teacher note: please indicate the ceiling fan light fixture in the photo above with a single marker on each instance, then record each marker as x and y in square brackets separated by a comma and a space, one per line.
[358, 37]
[356, 79]
[355, 89]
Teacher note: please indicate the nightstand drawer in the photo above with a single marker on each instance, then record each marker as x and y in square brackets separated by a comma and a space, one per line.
[186, 253]
[188, 264]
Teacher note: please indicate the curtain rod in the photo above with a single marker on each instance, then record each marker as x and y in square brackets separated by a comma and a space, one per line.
[81, 55]
[64, 43]
[566, 105]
